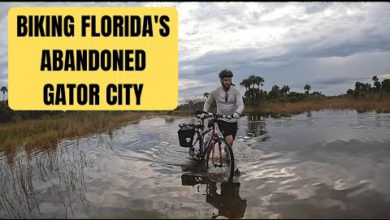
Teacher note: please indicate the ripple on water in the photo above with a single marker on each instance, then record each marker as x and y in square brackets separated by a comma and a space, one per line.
[322, 165]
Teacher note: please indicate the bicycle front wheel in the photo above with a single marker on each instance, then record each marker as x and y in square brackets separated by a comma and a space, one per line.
[220, 161]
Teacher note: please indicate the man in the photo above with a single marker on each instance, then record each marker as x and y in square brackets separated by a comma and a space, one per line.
[229, 202]
[229, 102]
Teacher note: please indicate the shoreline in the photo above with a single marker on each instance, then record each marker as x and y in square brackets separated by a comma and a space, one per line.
[47, 131]
[363, 104]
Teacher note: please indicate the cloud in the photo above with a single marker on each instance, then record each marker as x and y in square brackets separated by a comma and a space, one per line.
[383, 76]
[312, 8]
[3, 31]
[3, 68]
[325, 44]
[188, 83]
[337, 81]
[320, 72]
[195, 88]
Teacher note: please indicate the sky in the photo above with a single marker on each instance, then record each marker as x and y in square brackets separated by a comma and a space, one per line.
[329, 45]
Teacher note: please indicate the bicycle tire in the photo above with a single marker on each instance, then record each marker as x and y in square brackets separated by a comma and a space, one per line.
[225, 171]
[194, 150]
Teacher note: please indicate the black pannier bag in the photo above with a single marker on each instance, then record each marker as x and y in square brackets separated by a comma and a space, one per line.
[186, 135]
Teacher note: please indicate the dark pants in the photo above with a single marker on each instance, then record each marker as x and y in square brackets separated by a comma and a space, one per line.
[228, 128]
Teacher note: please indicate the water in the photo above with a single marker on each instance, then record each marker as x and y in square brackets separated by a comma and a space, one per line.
[314, 165]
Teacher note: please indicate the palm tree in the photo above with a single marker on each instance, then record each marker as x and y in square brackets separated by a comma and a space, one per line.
[377, 84]
[251, 92]
[307, 88]
[206, 95]
[275, 90]
[245, 83]
[258, 81]
[4, 90]
[248, 93]
[284, 89]
[358, 86]
[252, 80]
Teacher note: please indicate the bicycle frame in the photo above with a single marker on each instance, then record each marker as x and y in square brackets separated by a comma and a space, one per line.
[211, 142]
[202, 146]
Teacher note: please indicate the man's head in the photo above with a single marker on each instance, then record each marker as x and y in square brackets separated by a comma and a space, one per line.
[226, 78]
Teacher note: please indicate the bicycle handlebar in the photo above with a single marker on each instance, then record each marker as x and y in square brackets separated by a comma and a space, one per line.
[204, 115]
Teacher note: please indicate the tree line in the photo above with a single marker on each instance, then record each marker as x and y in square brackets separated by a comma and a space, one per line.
[366, 88]
[7, 114]
[254, 94]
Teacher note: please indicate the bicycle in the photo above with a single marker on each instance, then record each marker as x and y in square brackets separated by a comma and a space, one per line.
[212, 146]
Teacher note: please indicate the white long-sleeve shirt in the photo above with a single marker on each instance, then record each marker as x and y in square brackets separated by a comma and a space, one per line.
[233, 104]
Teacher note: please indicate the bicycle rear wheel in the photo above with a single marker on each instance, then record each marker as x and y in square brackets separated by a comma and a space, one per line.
[220, 161]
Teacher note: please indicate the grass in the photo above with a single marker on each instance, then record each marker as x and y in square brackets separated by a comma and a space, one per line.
[45, 133]
[379, 103]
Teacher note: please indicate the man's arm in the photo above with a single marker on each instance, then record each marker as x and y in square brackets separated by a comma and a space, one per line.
[239, 103]
[209, 102]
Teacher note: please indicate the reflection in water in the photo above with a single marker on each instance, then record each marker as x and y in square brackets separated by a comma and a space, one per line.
[360, 201]
[256, 126]
[223, 196]
[229, 202]
[35, 182]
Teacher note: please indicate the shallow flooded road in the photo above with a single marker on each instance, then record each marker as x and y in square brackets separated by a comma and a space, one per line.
[328, 164]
